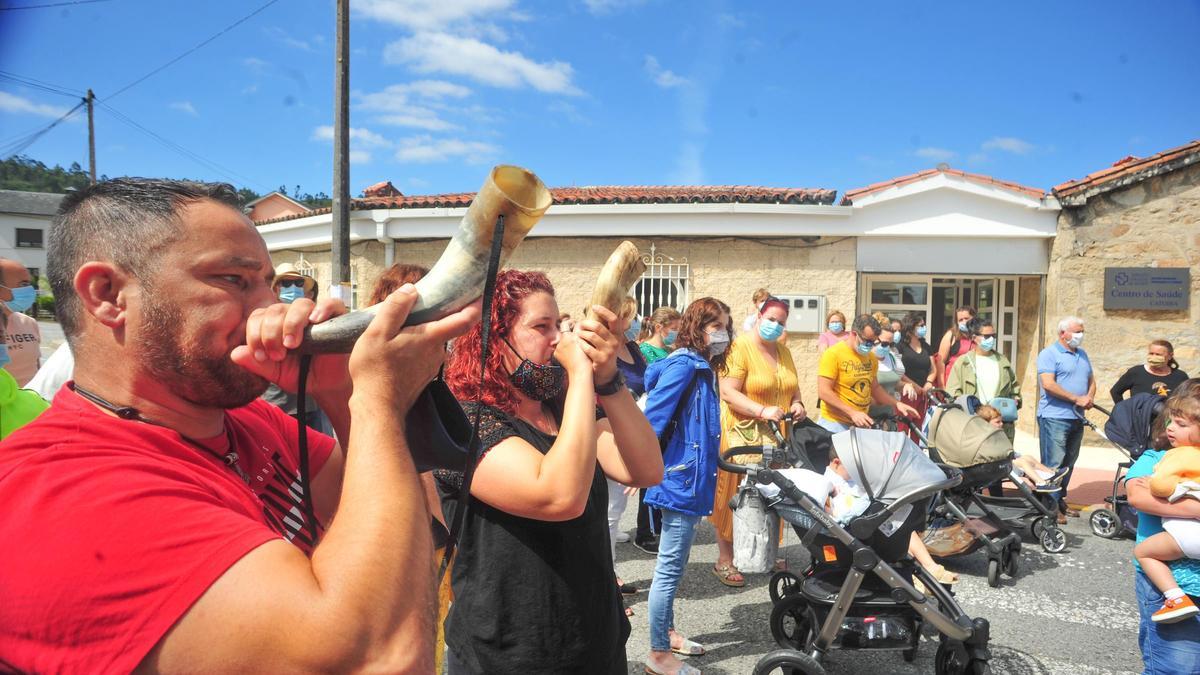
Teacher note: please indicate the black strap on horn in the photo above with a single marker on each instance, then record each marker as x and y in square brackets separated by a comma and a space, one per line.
[310, 514]
[485, 330]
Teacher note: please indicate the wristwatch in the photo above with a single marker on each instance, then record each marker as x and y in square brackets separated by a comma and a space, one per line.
[612, 386]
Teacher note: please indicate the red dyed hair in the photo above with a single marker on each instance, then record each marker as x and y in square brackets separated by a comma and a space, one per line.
[462, 366]
[394, 277]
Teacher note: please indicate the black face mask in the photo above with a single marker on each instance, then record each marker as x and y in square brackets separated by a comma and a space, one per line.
[538, 382]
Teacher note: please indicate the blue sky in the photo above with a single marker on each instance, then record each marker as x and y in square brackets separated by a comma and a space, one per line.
[626, 92]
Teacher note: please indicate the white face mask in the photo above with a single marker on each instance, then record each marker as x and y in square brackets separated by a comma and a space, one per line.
[1076, 340]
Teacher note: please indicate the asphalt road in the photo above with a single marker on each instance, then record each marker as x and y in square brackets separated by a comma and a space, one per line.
[1072, 613]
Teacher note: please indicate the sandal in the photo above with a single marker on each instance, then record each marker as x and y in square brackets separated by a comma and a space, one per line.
[627, 589]
[725, 574]
[942, 575]
[684, 669]
[690, 648]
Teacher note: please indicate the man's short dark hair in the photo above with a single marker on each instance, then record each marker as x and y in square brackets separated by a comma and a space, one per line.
[977, 325]
[864, 321]
[125, 221]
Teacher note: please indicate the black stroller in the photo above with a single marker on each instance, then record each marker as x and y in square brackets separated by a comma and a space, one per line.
[1129, 429]
[857, 592]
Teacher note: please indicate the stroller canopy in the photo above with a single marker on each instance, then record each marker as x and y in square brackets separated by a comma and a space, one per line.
[963, 439]
[1130, 424]
[885, 463]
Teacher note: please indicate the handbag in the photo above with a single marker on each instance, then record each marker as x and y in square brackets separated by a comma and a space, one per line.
[1007, 408]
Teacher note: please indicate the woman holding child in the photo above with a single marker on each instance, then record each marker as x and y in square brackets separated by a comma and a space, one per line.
[1169, 630]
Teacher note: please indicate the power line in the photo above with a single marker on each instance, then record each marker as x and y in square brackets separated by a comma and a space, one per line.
[177, 58]
[36, 84]
[171, 145]
[20, 144]
[53, 4]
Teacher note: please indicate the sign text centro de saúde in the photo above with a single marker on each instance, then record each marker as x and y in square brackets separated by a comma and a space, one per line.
[1162, 288]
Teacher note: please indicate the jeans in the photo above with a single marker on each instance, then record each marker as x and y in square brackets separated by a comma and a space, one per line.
[1167, 648]
[674, 546]
[1060, 440]
[645, 531]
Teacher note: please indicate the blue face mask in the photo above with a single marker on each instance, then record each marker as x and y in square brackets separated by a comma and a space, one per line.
[987, 344]
[635, 328]
[864, 348]
[770, 330]
[290, 294]
[836, 326]
[670, 338]
[922, 331]
[23, 297]
[880, 351]
[5, 359]
[962, 326]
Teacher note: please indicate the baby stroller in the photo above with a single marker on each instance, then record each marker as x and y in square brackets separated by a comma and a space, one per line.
[1129, 430]
[857, 592]
[960, 439]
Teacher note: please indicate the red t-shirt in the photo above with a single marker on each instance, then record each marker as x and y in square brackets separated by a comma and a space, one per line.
[111, 529]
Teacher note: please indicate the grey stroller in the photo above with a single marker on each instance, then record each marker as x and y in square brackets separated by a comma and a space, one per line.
[857, 592]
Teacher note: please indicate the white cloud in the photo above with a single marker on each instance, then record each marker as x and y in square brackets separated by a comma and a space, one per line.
[609, 6]
[360, 157]
[1009, 144]
[250, 89]
[395, 102]
[427, 149]
[255, 64]
[935, 154]
[727, 20]
[360, 136]
[661, 76]
[570, 112]
[18, 104]
[467, 57]
[418, 118]
[184, 106]
[429, 14]
[280, 35]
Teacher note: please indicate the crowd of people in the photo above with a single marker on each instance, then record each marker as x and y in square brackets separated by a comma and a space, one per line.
[158, 520]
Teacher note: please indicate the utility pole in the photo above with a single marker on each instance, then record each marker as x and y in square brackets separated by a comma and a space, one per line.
[340, 258]
[91, 137]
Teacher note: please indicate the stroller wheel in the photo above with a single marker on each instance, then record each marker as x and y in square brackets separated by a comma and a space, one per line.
[788, 662]
[1037, 527]
[791, 622]
[1054, 540]
[993, 573]
[782, 584]
[1012, 562]
[951, 659]
[1105, 523]
[980, 668]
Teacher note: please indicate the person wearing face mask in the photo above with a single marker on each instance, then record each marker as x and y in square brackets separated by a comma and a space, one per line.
[847, 381]
[957, 341]
[683, 407]
[835, 331]
[18, 406]
[891, 375]
[632, 365]
[289, 286]
[22, 335]
[984, 372]
[662, 329]
[1065, 384]
[756, 301]
[533, 580]
[758, 384]
[1158, 375]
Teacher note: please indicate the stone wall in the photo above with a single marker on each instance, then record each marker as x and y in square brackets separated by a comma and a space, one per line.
[1155, 222]
[728, 269]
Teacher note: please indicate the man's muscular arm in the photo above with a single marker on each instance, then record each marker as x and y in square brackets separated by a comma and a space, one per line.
[366, 599]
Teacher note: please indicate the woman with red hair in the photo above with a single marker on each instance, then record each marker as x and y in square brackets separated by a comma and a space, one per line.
[533, 581]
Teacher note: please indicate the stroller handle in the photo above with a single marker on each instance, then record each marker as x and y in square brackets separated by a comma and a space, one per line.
[724, 457]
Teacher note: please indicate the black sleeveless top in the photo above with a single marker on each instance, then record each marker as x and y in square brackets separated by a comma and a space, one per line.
[532, 596]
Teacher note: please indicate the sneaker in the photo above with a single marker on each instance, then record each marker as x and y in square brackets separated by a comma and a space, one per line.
[1175, 610]
[622, 537]
[647, 545]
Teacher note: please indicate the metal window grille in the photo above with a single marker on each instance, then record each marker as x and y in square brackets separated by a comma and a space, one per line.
[306, 268]
[663, 284]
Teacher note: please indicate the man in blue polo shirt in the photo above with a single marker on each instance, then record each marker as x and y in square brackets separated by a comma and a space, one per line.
[1065, 382]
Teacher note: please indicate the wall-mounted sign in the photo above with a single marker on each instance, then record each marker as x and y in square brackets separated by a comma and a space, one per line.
[1162, 288]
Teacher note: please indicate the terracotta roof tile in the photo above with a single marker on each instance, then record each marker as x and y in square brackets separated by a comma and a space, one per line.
[609, 194]
[851, 195]
[1129, 167]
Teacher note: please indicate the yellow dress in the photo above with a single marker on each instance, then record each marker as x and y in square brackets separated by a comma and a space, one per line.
[764, 385]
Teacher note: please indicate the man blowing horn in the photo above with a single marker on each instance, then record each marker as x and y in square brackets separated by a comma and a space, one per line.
[154, 517]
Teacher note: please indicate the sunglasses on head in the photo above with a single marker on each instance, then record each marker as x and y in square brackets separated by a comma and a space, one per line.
[289, 283]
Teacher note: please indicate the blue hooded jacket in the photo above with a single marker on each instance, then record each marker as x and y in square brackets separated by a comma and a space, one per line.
[690, 478]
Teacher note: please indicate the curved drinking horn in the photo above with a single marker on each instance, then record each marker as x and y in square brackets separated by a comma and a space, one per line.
[619, 274]
[457, 278]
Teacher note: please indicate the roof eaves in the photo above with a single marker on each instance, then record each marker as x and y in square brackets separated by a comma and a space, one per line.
[1077, 192]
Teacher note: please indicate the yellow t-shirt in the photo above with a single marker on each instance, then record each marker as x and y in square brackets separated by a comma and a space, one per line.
[852, 376]
[763, 384]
